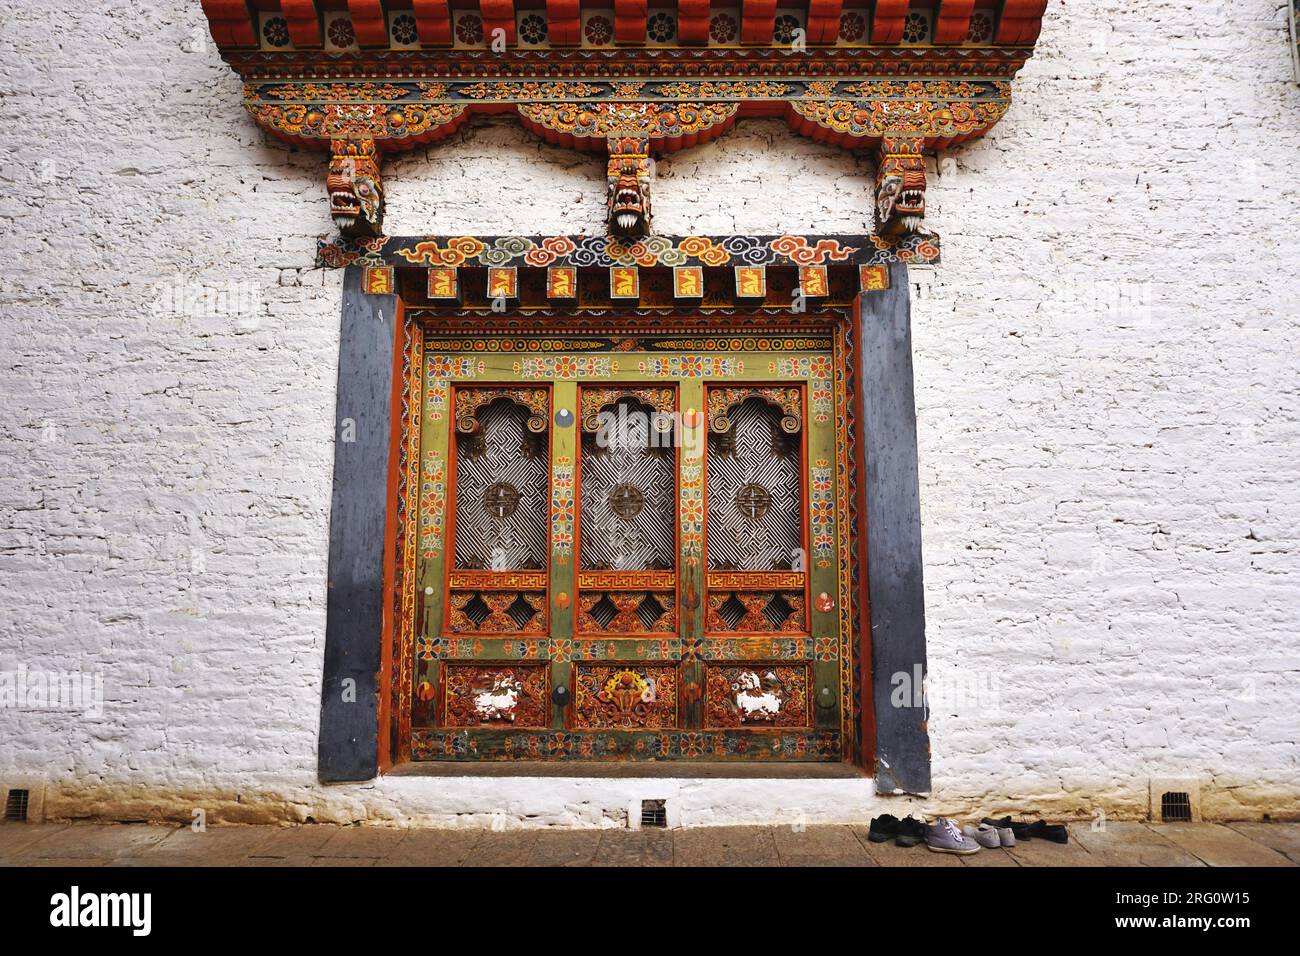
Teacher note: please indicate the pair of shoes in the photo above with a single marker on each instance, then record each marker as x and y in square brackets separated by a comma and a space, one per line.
[906, 832]
[987, 835]
[945, 837]
[1028, 831]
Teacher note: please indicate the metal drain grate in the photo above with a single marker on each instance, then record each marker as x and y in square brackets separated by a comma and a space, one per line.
[654, 813]
[1175, 808]
[16, 806]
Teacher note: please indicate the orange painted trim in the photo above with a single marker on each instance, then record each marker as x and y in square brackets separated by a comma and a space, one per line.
[392, 553]
[866, 705]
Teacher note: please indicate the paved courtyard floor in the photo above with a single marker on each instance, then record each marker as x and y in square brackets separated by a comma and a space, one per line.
[1120, 844]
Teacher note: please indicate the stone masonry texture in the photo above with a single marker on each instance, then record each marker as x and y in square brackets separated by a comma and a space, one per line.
[1106, 386]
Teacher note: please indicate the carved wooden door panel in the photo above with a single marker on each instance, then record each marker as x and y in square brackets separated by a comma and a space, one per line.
[632, 552]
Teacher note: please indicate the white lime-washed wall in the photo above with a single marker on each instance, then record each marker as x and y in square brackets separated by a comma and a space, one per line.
[1106, 388]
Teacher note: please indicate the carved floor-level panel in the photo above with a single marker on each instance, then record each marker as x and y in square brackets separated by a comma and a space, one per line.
[757, 695]
[489, 695]
[636, 697]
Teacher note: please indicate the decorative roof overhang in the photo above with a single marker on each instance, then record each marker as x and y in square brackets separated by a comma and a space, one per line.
[362, 78]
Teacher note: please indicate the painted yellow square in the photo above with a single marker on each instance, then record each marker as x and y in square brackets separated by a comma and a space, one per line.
[443, 283]
[751, 282]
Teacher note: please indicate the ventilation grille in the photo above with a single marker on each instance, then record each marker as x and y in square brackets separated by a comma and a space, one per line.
[1175, 807]
[654, 813]
[16, 806]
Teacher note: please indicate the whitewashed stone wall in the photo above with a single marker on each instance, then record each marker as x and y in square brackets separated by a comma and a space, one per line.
[1106, 387]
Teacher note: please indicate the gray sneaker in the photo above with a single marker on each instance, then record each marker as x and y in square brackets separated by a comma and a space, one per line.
[985, 835]
[944, 837]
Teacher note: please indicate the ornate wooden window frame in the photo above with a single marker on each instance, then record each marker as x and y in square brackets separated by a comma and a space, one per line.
[366, 692]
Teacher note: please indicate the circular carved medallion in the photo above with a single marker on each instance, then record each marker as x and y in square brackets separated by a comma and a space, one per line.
[627, 501]
[753, 501]
[501, 499]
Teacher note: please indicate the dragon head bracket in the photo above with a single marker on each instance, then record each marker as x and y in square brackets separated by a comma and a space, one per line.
[900, 186]
[628, 186]
[355, 187]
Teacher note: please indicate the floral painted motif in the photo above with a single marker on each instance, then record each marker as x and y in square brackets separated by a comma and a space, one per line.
[661, 27]
[340, 32]
[691, 503]
[853, 27]
[532, 28]
[469, 28]
[784, 28]
[566, 367]
[598, 30]
[723, 28]
[276, 32]
[562, 508]
[818, 370]
[822, 511]
[433, 505]
[404, 29]
[690, 366]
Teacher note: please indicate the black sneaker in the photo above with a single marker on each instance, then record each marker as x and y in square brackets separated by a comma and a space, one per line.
[910, 832]
[883, 828]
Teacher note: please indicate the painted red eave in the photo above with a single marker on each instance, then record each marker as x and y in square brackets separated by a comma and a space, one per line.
[757, 18]
[564, 22]
[304, 22]
[497, 15]
[693, 21]
[230, 23]
[1022, 21]
[953, 23]
[887, 27]
[629, 21]
[824, 20]
[432, 20]
[368, 22]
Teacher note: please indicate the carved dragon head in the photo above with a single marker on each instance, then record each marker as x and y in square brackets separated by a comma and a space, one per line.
[900, 190]
[629, 188]
[355, 188]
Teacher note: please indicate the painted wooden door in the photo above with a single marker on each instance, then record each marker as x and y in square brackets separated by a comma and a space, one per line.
[632, 550]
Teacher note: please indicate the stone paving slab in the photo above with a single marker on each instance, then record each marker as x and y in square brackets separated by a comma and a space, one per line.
[1218, 845]
[1117, 844]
